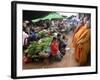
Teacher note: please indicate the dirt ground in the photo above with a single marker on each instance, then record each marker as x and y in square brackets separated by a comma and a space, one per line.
[67, 61]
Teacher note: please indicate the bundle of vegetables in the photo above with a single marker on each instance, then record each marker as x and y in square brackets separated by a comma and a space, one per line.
[34, 48]
[43, 45]
[46, 40]
[46, 46]
[41, 34]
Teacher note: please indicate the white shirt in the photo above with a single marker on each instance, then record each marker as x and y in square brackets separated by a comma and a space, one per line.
[25, 35]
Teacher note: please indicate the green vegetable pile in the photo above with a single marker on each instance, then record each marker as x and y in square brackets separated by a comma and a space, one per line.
[41, 34]
[38, 46]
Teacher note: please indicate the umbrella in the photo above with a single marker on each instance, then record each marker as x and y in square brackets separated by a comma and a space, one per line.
[36, 20]
[49, 17]
[52, 16]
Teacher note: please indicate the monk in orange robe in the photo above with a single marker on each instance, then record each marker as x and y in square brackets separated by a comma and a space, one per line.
[84, 44]
[81, 43]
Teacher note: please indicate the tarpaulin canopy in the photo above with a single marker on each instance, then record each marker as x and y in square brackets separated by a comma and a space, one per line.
[36, 20]
[52, 16]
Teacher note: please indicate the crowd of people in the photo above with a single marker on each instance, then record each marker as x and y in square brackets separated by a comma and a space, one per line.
[81, 40]
[58, 43]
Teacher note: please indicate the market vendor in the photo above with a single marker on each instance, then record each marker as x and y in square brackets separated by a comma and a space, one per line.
[32, 35]
[62, 43]
[55, 53]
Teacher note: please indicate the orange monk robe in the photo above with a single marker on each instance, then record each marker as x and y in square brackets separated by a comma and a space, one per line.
[75, 39]
[84, 47]
[78, 34]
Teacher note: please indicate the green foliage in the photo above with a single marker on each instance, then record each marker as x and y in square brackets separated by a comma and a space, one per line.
[36, 47]
[32, 48]
[41, 34]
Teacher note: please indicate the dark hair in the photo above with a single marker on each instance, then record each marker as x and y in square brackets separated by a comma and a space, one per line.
[54, 38]
[88, 16]
[63, 37]
[32, 29]
[29, 23]
[24, 29]
[58, 35]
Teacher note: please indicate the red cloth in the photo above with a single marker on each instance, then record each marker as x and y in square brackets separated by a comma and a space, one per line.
[54, 47]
